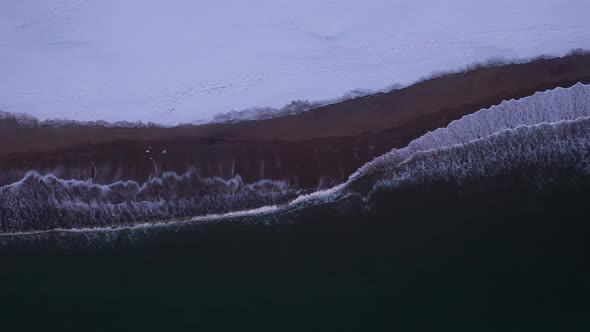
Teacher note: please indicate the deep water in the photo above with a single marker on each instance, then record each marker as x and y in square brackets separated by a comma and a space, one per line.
[499, 254]
[481, 226]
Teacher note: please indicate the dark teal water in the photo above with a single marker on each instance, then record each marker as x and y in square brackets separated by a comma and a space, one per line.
[434, 258]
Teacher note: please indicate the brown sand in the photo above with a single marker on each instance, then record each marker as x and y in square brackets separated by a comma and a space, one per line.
[324, 144]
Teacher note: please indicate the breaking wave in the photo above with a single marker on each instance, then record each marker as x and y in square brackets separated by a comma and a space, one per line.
[547, 131]
[543, 107]
[541, 153]
[43, 202]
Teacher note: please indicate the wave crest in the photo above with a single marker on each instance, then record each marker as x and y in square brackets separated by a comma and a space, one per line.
[543, 107]
[41, 202]
[543, 153]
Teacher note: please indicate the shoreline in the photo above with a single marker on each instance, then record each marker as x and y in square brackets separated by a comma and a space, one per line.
[312, 150]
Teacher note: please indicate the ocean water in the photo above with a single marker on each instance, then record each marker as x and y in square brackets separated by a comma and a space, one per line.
[482, 229]
[493, 254]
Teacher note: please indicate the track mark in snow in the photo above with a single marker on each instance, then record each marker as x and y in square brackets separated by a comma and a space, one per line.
[53, 13]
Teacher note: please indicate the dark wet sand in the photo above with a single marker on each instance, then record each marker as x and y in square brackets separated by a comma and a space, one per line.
[317, 148]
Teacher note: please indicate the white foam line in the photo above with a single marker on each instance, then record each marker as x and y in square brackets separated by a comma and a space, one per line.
[206, 218]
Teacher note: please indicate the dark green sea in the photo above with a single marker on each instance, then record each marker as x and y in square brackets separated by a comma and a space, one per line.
[508, 257]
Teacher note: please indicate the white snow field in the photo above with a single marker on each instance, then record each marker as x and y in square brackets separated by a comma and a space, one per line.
[175, 61]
